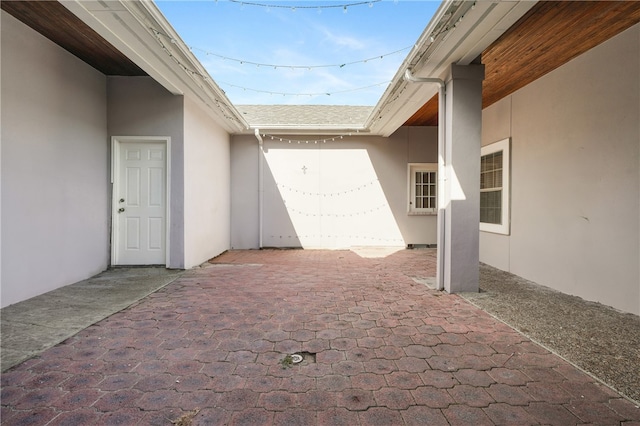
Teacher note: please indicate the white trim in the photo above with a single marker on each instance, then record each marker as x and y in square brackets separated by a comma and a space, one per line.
[411, 168]
[116, 142]
[505, 226]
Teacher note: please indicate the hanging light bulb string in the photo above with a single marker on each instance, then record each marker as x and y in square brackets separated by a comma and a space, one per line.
[304, 94]
[306, 6]
[306, 141]
[285, 66]
[304, 67]
[338, 214]
[329, 194]
[352, 238]
[159, 34]
[222, 106]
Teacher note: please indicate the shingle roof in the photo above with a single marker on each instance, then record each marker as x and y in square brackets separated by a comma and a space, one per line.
[316, 116]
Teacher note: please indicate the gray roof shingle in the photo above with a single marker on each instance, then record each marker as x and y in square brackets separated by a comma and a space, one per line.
[312, 116]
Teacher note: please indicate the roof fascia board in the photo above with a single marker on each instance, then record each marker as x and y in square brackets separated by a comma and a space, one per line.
[494, 25]
[95, 18]
[387, 99]
[307, 130]
[199, 81]
[411, 98]
[127, 26]
[472, 30]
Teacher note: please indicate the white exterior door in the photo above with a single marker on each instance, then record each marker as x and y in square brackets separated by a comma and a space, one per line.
[140, 200]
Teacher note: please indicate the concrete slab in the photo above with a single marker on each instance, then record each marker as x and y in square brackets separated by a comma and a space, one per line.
[41, 322]
[597, 338]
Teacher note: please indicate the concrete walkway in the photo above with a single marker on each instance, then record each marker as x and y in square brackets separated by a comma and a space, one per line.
[377, 347]
[41, 322]
[597, 338]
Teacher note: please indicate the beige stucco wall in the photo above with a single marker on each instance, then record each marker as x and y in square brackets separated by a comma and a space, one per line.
[139, 106]
[575, 196]
[335, 194]
[200, 163]
[207, 185]
[55, 168]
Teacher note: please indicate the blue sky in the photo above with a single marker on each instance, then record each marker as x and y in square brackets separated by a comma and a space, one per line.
[226, 35]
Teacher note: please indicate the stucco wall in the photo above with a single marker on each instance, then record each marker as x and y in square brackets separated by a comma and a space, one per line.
[139, 106]
[575, 203]
[339, 193]
[55, 221]
[244, 192]
[207, 186]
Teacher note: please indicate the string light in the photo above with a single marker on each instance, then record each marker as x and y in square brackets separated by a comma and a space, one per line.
[352, 214]
[276, 66]
[294, 67]
[320, 214]
[222, 106]
[304, 6]
[442, 31]
[328, 194]
[316, 141]
[342, 237]
[305, 94]
[390, 103]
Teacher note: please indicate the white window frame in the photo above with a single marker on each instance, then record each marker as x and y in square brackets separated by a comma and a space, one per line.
[412, 168]
[504, 227]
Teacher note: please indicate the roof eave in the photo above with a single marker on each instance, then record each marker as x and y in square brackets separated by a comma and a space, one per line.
[331, 130]
[457, 34]
[137, 28]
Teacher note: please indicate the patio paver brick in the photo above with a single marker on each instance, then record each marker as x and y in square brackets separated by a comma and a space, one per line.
[379, 349]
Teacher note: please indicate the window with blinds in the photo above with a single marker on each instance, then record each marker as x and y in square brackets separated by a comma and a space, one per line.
[423, 188]
[494, 187]
[491, 188]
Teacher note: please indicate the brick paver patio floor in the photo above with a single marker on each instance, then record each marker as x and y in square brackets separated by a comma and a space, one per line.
[379, 348]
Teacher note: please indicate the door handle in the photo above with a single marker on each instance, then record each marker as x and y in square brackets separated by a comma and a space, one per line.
[121, 209]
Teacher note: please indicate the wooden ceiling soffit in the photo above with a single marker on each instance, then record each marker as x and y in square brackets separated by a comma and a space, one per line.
[551, 34]
[58, 24]
[548, 36]
[427, 115]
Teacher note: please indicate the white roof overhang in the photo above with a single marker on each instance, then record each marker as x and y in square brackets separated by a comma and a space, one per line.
[457, 34]
[139, 30]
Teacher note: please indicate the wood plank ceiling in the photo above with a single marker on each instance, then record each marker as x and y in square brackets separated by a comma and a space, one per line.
[548, 36]
[58, 24]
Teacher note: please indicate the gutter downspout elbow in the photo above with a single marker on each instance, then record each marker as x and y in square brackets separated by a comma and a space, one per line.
[442, 170]
[408, 76]
[260, 186]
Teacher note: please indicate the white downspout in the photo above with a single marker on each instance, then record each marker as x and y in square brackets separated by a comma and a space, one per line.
[260, 185]
[442, 169]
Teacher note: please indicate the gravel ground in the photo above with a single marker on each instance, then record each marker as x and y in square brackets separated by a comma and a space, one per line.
[599, 339]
